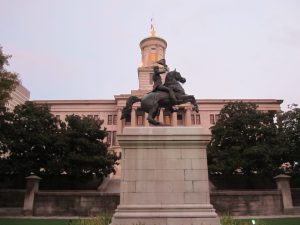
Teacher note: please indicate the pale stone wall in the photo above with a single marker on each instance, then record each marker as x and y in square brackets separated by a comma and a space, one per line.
[241, 203]
[296, 196]
[74, 203]
[88, 203]
[19, 96]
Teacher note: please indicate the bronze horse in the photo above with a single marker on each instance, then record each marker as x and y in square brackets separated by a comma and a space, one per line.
[153, 101]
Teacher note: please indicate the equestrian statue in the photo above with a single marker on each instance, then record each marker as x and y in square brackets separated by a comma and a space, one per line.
[166, 95]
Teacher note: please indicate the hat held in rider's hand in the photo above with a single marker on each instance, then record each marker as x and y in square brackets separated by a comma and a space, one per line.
[161, 62]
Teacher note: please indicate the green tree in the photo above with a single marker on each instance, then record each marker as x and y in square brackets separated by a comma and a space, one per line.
[83, 149]
[8, 80]
[289, 126]
[244, 140]
[41, 144]
[33, 130]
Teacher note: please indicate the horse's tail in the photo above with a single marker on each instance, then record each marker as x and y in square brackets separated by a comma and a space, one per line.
[126, 111]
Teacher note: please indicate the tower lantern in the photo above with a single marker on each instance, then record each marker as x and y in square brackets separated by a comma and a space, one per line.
[153, 48]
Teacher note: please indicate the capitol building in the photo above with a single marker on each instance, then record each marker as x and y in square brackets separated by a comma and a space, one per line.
[153, 48]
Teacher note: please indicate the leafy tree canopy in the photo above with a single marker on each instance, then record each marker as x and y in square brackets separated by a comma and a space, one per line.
[244, 140]
[82, 148]
[39, 143]
[289, 127]
[30, 143]
[8, 80]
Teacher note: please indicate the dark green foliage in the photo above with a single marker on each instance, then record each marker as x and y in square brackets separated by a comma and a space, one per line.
[82, 148]
[245, 141]
[30, 141]
[289, 126]
[38, 143]
[5, 129]
[8, 80]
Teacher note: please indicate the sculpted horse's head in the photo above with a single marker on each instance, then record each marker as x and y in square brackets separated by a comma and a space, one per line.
[176, 76]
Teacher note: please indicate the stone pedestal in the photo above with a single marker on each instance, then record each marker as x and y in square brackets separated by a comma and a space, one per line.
[164, 177]
[283, 184]
[32, 187]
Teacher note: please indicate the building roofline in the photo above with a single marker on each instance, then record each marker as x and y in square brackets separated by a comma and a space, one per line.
[213, 101]
[112, 101]
[87, 101]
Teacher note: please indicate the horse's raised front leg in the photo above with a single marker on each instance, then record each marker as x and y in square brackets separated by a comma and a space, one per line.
[194, 103]
[192, 100]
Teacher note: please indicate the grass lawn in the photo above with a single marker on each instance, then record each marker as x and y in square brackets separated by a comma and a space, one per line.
[34, 221]
[279, 221]
[4, 221]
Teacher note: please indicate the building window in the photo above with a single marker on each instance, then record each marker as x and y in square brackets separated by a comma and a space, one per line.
[112, 120]
[212, 118]
[140, 120]
[111, 138]
[114, 138]
[180, 116]
[128, 121]
[57, 117]
[151, 78]
[140, 117]
[193, 119]
[115, 119]
[153, 55]
[198, 119]
[108, 138]
[179, 119]
[217, 116]
[109, 119]
[167, 120]
[167, 117]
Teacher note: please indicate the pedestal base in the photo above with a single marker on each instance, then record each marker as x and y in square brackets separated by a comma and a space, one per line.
[164, 177]
[192, 214]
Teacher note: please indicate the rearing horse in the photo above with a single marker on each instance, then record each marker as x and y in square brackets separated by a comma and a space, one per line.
[153, 101]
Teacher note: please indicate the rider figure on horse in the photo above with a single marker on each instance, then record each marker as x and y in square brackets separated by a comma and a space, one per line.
[157, 82]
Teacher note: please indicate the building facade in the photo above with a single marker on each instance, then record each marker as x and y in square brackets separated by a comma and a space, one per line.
[19, 96]
[153, 48]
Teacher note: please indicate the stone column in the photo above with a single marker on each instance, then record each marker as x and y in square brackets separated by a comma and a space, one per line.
[146, 121]
[174, 119]
[133, 117]
[119, 122]
[32, 186]
[188, 117]
[164, 177]
[161, 116]
[283, 184]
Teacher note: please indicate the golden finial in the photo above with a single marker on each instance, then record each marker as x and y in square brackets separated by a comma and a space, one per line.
[153, 31]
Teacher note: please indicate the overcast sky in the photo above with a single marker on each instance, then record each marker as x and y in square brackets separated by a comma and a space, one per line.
[89, 49]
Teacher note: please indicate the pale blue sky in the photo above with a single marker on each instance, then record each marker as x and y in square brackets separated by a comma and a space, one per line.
[67, 49]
